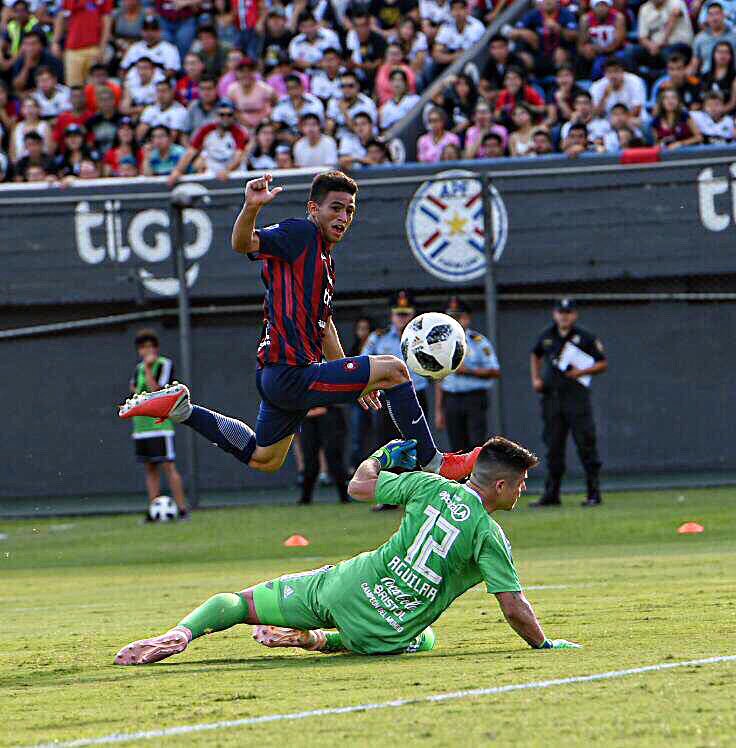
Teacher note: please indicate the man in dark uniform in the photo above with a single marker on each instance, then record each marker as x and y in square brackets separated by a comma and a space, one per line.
[563, 361]
[461, 400]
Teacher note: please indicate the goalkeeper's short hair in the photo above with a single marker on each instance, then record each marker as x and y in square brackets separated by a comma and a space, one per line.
[500, 456]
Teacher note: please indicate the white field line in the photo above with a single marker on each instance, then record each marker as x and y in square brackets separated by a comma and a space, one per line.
[226, 724]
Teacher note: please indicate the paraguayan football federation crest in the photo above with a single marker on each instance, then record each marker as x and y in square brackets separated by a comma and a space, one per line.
[444, 225]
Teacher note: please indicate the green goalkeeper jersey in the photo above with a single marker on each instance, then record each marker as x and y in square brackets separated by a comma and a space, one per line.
[446, 544]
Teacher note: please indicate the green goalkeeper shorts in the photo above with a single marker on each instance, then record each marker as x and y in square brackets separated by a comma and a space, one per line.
[293, 601]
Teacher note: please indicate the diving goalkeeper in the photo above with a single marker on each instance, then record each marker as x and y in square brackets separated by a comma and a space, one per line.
[384, 601]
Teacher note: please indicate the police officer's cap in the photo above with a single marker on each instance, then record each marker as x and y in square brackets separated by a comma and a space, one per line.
[566, 305]
[402, 302]
[456, 306]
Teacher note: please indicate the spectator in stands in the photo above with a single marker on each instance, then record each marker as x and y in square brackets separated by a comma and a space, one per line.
[77, 114]
[517, 91]
[124, 147]
[377, 153]
[161, 154]
[249, 17]
[31, 122]
[455, 36]
[53, 97]
[618, 86]
[602, 33]
[307, 47]
[35, 156]
[232, 60]
[413, 43]
[178, 24]
[459, 101]
[6, 170]
[545, 37]
[284, 157]
[387, 14]
[314, 148]
[262, 149]
[491, 146]
[218, 147]
[140, 87]
[729, 10]
[38, 174]
[204, 109]
[128, 168]
[715, 31]
[166, 111]
[367, 48]
[430, 145]
[577, 141]
[278, 75]
[401, 101]
[520, 142]
[542, 144]
[99, 79]
[326, 80]
[8, 113]
[584, 114]
[500, 59]
[162, 54]
[394, 60]
[715, 125]
[619, 121]
[33, 55]
[291, 107]
[253, 98]
[187, 87]
[482, 125]
[276, 37]
[209, 48]
[687, 86]
[672, 125]
[722, 75]
[353, 144]
[435, 12]
[664, 28]
[69, 162]
[561, 98]
[20, 22]
[85, 27]
[103, 126]
[451, 152]
[342, 111]
[127, 26]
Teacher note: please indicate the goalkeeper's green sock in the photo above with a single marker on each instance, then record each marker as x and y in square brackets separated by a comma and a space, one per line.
[333, 642]
[220, 612]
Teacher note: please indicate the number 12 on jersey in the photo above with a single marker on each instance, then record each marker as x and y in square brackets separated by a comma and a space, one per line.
[423, 546]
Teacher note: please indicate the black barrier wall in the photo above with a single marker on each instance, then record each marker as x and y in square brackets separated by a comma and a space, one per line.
[663, 406]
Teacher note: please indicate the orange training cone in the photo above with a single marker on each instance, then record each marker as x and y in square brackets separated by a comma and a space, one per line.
[689, 528]
[296, 540]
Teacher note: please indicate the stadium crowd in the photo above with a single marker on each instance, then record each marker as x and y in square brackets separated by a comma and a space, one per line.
[170, 87]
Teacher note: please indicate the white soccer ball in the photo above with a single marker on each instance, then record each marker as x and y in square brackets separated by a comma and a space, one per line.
[433, 345]
[163, 509]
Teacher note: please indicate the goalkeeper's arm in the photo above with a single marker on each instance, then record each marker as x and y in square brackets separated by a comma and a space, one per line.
[521, 617]
[397, 453]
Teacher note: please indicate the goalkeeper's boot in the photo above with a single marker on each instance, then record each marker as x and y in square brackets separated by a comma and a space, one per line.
[425, 642]
[458, 465]
[146, 651]
[278, 636]
[171, 402]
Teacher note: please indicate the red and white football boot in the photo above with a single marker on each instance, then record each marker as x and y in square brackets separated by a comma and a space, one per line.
[171, 402]
[458, 465]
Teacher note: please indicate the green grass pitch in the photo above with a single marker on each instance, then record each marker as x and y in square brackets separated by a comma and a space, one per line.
[619, 579]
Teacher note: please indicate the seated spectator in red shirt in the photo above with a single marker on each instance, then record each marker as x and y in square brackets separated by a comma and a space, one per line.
[124, 146]
[394, 59]
[516, 91]
[216, 148]
[602, 32]
[77, 115]
[85, 26]
[430, 145]
[187, 89]
[33, 55]
[98, 78]
[672, 125]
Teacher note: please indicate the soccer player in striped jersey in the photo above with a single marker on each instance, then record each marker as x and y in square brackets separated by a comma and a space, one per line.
[300, 360]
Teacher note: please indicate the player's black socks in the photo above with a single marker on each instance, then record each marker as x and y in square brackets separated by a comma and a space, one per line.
[229, 434]
[408, 417]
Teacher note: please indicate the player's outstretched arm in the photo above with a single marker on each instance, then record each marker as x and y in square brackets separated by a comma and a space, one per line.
[258, 193]
[521, 617]
[396, 453]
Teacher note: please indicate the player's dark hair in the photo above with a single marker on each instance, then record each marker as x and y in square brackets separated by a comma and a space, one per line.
[146, 336]
[331, 181]
[500, 456]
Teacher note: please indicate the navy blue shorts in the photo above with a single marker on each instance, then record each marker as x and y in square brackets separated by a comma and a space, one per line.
[288, 393]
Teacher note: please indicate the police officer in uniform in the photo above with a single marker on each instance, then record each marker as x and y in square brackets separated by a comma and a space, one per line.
[563, 361]
[461, 400]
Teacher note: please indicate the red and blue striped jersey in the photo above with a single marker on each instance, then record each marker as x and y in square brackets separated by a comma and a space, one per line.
[299, 277]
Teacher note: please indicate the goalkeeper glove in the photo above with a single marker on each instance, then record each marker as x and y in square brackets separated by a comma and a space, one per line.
[558, 644]
[397, 454]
